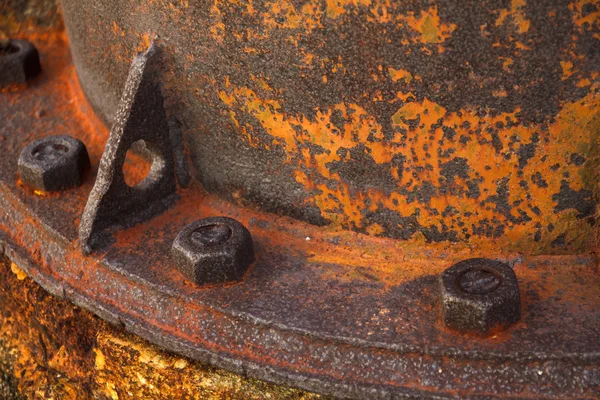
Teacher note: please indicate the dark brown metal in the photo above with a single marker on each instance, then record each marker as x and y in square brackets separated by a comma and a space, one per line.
[213, 250]
[141, 117]
[480, 296]
[54, 163]
[19, 62]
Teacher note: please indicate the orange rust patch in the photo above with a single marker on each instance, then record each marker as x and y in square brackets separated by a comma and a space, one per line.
[401, 74]
[430, 27]
[335, 8]
[144, 43]
[591, 21]
[345, 206]
[567, 68]
[516, 15]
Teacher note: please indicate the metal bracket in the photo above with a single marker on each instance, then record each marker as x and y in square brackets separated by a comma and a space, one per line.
[141, 117]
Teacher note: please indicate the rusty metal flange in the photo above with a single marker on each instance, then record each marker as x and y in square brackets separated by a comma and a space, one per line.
[319, 309]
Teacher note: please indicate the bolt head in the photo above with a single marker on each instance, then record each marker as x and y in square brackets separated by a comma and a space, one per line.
[53, 163]
[19, 62]
[480, 296]
[213, 250]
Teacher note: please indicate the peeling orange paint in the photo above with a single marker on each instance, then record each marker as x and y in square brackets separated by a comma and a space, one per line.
[417, 122]
[516, 14]
[144, 43]
[591, 20]
[335, 8]
[402, 74]
[430, 27]
[567, 69]
[345, 205]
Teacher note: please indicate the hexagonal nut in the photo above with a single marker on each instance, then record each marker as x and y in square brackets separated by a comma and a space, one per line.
[19, 61]
[213, 250]
[53, 163]
[480, 296]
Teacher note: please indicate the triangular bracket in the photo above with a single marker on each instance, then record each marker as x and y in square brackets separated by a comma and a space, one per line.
[141, 116]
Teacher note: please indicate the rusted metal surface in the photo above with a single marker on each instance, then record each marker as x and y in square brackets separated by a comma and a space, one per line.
[141, 118]
[321, 308]
[19, 62]
[53, 163]
[480, 296]
[436, 121]
[213, 250]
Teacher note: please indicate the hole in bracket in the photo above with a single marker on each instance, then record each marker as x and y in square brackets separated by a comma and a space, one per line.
[138, 164]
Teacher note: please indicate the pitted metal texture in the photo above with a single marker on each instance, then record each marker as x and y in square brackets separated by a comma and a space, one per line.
[141, 117]
[480, 296]
[213, 250]
[19, 62]
[53, 163]
[425, 121]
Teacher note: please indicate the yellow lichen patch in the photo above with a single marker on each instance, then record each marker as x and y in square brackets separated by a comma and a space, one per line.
[130, 372]
[59, 360]
[50, 348]
[18, 271]
[429, 26]
[110, 390]
[180, 364]
[99, 360]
